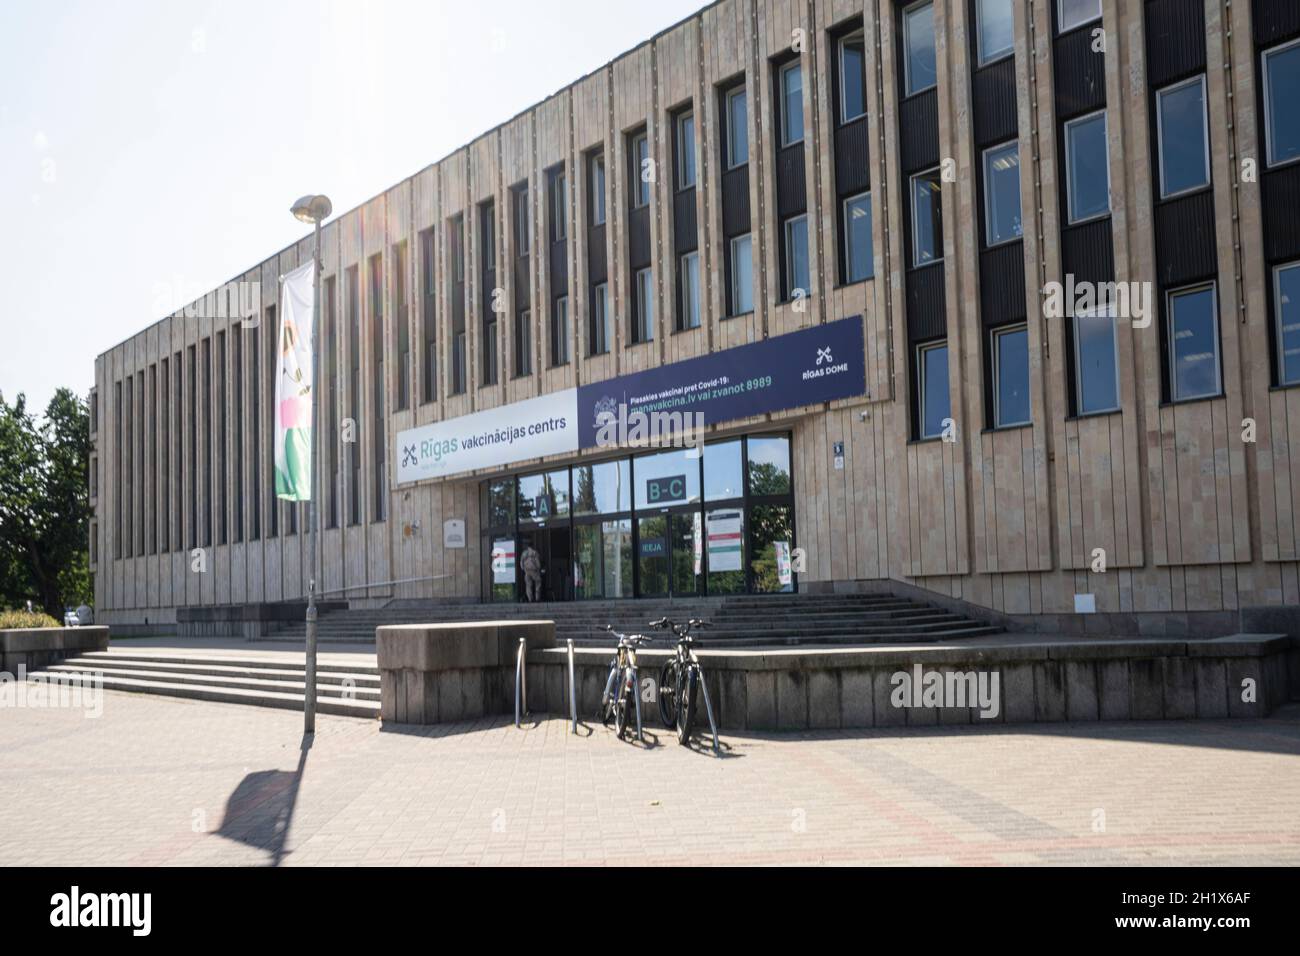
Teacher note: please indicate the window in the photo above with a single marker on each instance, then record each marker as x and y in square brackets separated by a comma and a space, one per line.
[597, 181]
[640, 170]
[791, 104]
[685, 150]
[858, 262]
[1193, 343]
[690, 291]
[458, 249]
[1002, 194]
[560, 331]
[996, 31]
[1011, 377]
[796, 255]
[644, 330]
[853, 77]
[1096, 362]
[1286, 306]
[524, 343]
[1087, 162]
[559, 207]
[737, 128]
[918, 48]
[428, 318]
[1183, 138]
[600, 319]
[1075, 13]
[927, 219]
[742, 275]
[402, 319]
[932, 382]
[1281, 92]
[521, 221]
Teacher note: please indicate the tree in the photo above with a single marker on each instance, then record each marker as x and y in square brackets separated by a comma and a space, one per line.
[44, 503]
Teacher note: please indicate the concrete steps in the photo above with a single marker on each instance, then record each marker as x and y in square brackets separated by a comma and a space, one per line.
[264, 681]
[741, 620]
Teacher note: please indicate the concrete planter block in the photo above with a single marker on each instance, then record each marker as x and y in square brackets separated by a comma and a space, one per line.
[824, 699]
[1211, 689]
[734, 700]
[886, 714]
[1114, 690]
[760, 700]
[1238, 671]
[792, 700]
[1147, 677]
[1082, 701]
[1180, 688]
[1018, 694]
[1049, 692]
[855, 694]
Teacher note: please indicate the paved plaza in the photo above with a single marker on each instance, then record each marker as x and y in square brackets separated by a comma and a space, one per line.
[164, 781]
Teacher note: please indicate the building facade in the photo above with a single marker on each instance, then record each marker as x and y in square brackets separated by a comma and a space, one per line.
[1067, 233]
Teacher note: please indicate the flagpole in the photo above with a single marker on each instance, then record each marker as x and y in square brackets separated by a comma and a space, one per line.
[309, 696]
[313, 209]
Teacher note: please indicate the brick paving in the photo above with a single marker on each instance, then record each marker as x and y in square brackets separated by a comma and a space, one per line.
[166, 781]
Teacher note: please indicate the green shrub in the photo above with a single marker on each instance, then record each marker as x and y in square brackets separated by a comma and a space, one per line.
[12, 620]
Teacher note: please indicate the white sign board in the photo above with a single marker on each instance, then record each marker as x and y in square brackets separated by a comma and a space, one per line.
[547, 425]
[725, 540]
[503, 561]
[453, 533]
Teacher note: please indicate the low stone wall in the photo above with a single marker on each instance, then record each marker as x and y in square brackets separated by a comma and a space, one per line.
[1036, 682]
[38, 647]
[249, 621]
[433, 673]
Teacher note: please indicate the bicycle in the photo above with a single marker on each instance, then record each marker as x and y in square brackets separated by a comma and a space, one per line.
[620, 694]
[680, 680]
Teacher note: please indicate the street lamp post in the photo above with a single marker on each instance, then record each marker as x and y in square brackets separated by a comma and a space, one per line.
[313, 209]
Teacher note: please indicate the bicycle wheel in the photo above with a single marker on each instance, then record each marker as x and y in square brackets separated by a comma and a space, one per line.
[609, 696]
[622, 702]
[686, 706]
[668, 694]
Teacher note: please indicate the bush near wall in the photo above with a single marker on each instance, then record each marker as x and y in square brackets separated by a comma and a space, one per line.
[22, 620]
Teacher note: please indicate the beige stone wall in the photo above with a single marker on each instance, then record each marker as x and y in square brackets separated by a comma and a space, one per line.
[1190, 517]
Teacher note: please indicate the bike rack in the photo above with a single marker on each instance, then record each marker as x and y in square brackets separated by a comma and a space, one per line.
[708, 709]
[521, 683]
[573, 690]
[636, 696]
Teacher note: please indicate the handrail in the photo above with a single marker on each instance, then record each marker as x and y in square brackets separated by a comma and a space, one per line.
[521, 683]
[383, 584]
[573, 692]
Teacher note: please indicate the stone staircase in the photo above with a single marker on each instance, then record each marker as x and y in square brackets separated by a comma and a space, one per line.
[741, 620]
[343, 687]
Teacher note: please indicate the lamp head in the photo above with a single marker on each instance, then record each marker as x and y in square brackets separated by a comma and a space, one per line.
[312, 209]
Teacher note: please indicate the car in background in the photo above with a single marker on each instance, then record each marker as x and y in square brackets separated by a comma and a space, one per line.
[70, 617]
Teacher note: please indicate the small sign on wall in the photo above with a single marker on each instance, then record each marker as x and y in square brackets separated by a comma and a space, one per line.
[453, 533]
[837, 450]
[1085, 604]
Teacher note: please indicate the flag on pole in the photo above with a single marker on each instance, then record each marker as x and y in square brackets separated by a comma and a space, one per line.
[293, 385]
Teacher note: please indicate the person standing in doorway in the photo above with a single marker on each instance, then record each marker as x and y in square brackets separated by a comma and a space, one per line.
[531, 562]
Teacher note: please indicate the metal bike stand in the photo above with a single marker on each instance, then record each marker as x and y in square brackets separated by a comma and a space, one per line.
[708, 709]
[521, 683]
[573, 692]
[636, 696]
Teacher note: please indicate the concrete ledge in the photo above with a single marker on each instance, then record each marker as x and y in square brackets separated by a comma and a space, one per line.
[432, 673]
[1245, 675]
[40, 646]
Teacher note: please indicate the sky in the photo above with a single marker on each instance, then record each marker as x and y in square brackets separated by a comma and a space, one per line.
[149, 151]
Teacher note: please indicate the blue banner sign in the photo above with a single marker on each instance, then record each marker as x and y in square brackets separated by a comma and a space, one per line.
[818, 364]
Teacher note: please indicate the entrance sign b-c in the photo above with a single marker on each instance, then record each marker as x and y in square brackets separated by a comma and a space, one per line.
[664, 490]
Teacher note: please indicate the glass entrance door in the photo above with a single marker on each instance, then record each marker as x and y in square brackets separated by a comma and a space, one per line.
[670, 554]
